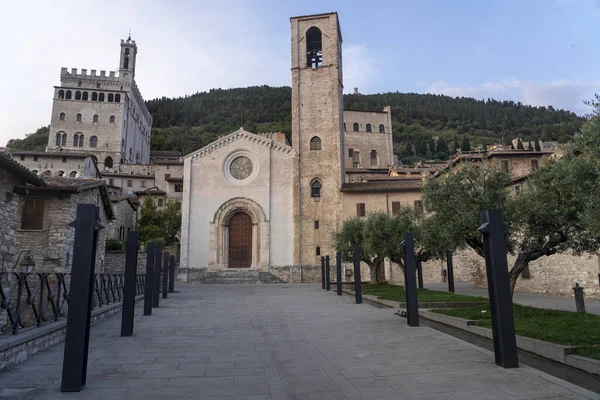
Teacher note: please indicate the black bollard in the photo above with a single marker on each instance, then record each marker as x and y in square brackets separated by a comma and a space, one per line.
[503, 325]
[579, 302]
[327, 274]
[412, 306]
[149, 284]
[338, 275]
[131, 256]
[77, 333]
[172, 274]
[322, 272]
[420, 273]
[450, 265]
[357, 276]
[157, 276]
[165, 275]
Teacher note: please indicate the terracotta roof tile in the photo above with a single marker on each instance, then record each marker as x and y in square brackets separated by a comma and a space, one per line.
[382, 186]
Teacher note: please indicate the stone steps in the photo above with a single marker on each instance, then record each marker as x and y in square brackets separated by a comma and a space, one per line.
[237, 277]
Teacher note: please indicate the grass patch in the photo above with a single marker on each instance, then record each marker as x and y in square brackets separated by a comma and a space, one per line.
[561, 327]
[397, 293]
[589, 351]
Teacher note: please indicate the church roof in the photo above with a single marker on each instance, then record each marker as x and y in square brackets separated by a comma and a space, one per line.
[383, 186]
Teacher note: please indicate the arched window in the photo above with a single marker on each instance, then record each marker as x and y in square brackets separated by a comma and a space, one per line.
[58, 139]
[318, 251]
[94, 96]
[62, 116]
[61, 94]
[78, 140]
[315, 143]
[79, 117]
[73, 174]
[108, 162]
[95, 119]
[110, 97]
[94, 141]
[79, 84]
[78, 95]
[315, 189]
[117, 98]
[63, 141]
[314, 48]
[126, 59]
[381, 128]
[101, 97]
[112, 119]
[84, 96]
[61, 173]
[68, 95]
[368, 127]
[344, 126]
[355, 127]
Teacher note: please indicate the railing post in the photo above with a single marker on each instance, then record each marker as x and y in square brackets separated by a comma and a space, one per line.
[172, 274]
[338, 269]
[357, 276]
[322, 272]
[165, 277]
[157, 271]
[503, 325]
[327, 274]
[450, 266]
[579, 301]
[77, 334]
[131, 256]
[149, 279]
[420, 273]
[412, 305]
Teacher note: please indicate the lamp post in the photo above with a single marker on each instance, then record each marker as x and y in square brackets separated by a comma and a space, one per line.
[27, 264]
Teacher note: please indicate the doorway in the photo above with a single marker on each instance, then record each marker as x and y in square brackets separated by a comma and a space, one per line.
[240, 241]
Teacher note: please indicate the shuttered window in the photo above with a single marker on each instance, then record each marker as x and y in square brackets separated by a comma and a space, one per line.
[395, 207]
[33, 215]
[360, 209]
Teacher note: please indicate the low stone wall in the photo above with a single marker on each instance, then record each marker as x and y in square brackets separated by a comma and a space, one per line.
[18, 348]
[114, 262]
[297, 273]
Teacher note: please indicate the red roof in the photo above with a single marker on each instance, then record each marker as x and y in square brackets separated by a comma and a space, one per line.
[382, 186]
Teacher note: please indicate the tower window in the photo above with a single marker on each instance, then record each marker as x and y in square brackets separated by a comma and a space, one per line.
[78, 118]
[315, 189]
[58, 139]
[95, 118]
[368, 127]
[318, 251]
[350, 152]
[84, 96]
[73, 174]
[78, 140]
[68, 95]
[381, 128]
[178, 187]
[316, 224]
[94, 141]
[112, 119]
[117, 98]
[110, 97]
[101, 97]
[314, 48]
[315, 143]
[62, 116]
[360, 209]
[373, 158]
[94, 96]
[61, 94]
[78, 95]
[355, 127]
[63, 140]
[108, 162]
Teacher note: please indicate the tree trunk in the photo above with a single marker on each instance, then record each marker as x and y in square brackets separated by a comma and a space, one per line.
[374, 270]
[520, 264]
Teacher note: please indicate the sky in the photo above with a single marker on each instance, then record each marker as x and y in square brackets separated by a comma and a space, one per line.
[539, 52]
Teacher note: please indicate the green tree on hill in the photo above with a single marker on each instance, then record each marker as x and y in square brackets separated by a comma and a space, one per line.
[465, 146]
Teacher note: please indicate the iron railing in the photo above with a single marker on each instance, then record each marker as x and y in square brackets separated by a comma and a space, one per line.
[32, 300]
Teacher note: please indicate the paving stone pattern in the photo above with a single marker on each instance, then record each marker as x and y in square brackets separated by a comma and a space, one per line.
[281, 341]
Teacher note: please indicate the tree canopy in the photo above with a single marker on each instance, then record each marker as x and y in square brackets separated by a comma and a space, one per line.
[159, 226]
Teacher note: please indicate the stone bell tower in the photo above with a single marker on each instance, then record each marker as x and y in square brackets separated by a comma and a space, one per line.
[317, 134]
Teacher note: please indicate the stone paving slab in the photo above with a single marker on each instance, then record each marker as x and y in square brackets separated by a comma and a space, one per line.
[278, 342]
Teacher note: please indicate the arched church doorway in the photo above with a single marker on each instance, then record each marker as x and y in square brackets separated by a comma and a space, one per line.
[240, 241]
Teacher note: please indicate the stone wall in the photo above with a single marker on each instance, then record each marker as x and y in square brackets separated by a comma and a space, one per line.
[298, 273]
[8, 219]
[362, 142]
[114, 262]
[125, 217]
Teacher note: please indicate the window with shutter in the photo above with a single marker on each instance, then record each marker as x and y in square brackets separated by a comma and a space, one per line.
[33, 215]
[360, 209]
[395, 207]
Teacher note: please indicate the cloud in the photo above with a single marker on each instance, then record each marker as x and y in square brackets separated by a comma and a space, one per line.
[566, 94]
[360, 67]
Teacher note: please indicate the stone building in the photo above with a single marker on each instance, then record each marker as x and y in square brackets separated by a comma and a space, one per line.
[125, 210]
[12, 174]
[44, 213]
[102, 114]
[64, 163]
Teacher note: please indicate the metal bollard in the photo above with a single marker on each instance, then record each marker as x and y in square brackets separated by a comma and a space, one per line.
[327, 273]
[322, 272]
[338, 276]
[357, 276]
[579, 302]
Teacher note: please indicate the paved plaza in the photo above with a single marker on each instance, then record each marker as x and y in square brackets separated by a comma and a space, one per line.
[282, 341]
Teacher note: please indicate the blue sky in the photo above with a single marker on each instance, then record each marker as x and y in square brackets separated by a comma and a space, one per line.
[537, 52]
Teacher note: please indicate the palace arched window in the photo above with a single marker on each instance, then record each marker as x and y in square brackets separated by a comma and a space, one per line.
[62, 116]
[111, 119]
[94, 96]
[78, 140]
[95, 118]
[315, 143]
[58, 139]
[111, 97]
[318, 251]
[314, 48]
[381, 128]
[101, 97]
[117, 98]
[84, 96]
[61, 94]
[68, 95]
[60, 173]
[78, 95]
[94, 141]
[315, 189]
[61, 139]
[355, 127]
[108, 162]
[368, 127]
[79, 117]
[73, 174]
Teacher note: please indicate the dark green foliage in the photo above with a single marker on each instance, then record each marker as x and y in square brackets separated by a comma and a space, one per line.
[36, 141]
[465, 146]
[537, 145]
[520, 144]
[114, 245]
[159, 226]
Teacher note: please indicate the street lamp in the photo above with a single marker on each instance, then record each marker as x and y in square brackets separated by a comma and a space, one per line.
[27, 264]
